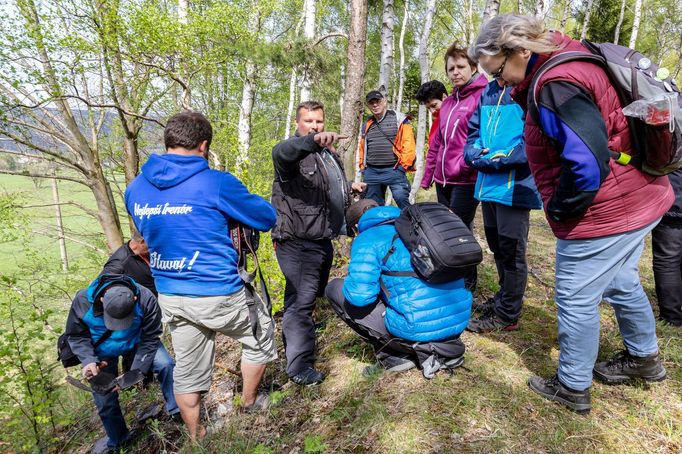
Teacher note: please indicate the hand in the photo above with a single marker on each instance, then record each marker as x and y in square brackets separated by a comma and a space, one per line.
[358, 186]
[92, 369]
[326, 139]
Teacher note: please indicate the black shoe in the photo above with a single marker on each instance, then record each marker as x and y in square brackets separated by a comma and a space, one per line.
[624, 367]
[553, 389]
[389, 364]
[485, 307]
[308, 377]
[490, 322]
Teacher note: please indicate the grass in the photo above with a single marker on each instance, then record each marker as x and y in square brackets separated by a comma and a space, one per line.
[484, 407]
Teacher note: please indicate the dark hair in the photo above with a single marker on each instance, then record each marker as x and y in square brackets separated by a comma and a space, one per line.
[355, 212]
[187, 130]
[455, 51]
[433, 89]
[310, 106]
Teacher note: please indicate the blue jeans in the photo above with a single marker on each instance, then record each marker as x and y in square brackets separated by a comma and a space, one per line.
[109, 409]
[587, 271]
[378, 178]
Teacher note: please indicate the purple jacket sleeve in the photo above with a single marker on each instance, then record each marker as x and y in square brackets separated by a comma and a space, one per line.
[431, 158]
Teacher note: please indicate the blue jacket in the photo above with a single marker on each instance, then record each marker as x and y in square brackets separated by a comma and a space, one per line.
[496, 149]
[182, 208]
[415, 310]
[85, 325]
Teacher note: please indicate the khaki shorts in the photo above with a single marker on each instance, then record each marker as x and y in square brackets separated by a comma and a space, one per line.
[193, 324]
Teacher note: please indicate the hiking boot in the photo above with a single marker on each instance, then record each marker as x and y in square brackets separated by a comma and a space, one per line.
[490, 322]
[624, 367]
[553, 389]
[485, 307]
[389, 364]
[308, 377]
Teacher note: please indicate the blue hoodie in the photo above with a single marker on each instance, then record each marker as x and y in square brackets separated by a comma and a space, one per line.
[182, 208]
[415, 310]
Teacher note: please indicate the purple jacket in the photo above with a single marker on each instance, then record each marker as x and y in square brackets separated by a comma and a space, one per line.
[445, 158]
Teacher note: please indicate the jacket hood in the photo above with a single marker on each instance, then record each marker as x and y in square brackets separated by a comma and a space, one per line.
[97, 286]
[168, 170]
[376, 216]
[473, 86]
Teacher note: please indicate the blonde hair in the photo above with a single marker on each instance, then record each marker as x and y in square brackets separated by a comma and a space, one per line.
[510, 32]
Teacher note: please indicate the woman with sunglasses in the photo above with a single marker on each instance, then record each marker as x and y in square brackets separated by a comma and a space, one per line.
[599, 210]
[445, 164]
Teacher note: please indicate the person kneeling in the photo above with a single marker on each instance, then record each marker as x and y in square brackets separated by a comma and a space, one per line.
[409, 322]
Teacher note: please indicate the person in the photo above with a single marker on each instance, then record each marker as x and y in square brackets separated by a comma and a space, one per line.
[183, 210]
[507, 192]
[132, 259]
[130, 312]
[666, 242]
[445, 165]
[310, 193]
[599, 210]
[386, 151]
[408, 321]
[432, 94]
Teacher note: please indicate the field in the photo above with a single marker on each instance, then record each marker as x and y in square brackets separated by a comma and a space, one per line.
[485, 406]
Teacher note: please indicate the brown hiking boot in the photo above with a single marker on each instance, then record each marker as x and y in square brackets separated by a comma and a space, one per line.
[489, 322]
[624, 367]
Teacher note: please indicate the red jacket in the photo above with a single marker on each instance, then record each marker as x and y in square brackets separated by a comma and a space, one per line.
[627, 198]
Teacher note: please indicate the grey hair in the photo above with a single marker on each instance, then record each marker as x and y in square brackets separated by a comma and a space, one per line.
[510, 32]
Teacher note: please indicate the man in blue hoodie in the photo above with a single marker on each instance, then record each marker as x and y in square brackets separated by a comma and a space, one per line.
[182, 208]
[407, 320]
[126, 313]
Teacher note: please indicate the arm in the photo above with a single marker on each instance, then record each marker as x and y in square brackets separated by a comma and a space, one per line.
[572, 120]
[473, 148]
[78, 332]
[150, 332]
[237, 203]
[361, 287]
[431, 157]
[115, 263]
[497, 162]
[408, 146]
[287, 154]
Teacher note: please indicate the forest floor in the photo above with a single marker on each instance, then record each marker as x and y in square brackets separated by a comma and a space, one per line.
[485, 406]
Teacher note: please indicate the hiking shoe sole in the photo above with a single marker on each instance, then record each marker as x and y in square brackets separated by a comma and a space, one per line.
[620, 379]
[582, 409]
[512, 327]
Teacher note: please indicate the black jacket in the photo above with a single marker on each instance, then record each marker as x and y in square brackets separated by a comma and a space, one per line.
[124, 261]
[674, 214]
[301, 190]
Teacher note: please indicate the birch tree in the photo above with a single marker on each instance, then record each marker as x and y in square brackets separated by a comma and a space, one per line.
[541, 8]
[386, 60]
[586, 21]
[635, 24]
[309, 34]
[355, 73]
[401, 46]
[246, 104]
[424, 73]
[492, 9]
[183, 19]
[621, 16]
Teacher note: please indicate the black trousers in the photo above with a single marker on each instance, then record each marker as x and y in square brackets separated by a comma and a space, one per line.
[368, 323]
[506, 230]
[305, 265]
[666, 241]
[460, 199]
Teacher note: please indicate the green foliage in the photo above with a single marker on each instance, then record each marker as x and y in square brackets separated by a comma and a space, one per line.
[314, 443]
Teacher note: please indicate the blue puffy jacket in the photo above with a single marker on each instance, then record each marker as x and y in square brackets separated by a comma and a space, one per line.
[496, 149]
[415, 310]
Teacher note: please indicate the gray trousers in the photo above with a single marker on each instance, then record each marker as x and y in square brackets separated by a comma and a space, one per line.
[506, 230]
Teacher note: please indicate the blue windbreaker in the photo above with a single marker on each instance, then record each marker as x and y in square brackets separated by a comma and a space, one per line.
[182, 208]
[415, 310]
[496, 149]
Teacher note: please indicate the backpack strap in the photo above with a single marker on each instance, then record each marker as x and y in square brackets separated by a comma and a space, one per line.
[390, 251]
[107, 334]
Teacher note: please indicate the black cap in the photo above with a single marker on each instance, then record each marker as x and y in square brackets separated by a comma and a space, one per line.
[374, 94]
[118, 303]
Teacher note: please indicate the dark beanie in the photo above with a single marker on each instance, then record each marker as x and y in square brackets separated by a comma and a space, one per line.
[355, 212]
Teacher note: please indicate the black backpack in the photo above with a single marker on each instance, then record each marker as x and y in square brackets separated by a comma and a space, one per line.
[442, 248]
[634, 77]
[66, 355]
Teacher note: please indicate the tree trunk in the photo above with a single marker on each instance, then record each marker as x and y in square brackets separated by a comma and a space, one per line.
[309, 34]
[60, 225]
[245, 109]
[401, 45]
[421, 123]
[616, 35]
[635, 24]
[292, 101]
[183, 18]
[470, 21]
[586, 22]
[564, 15]
[355, 73]
[492, 9]
[541, 8]
[386, 59]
